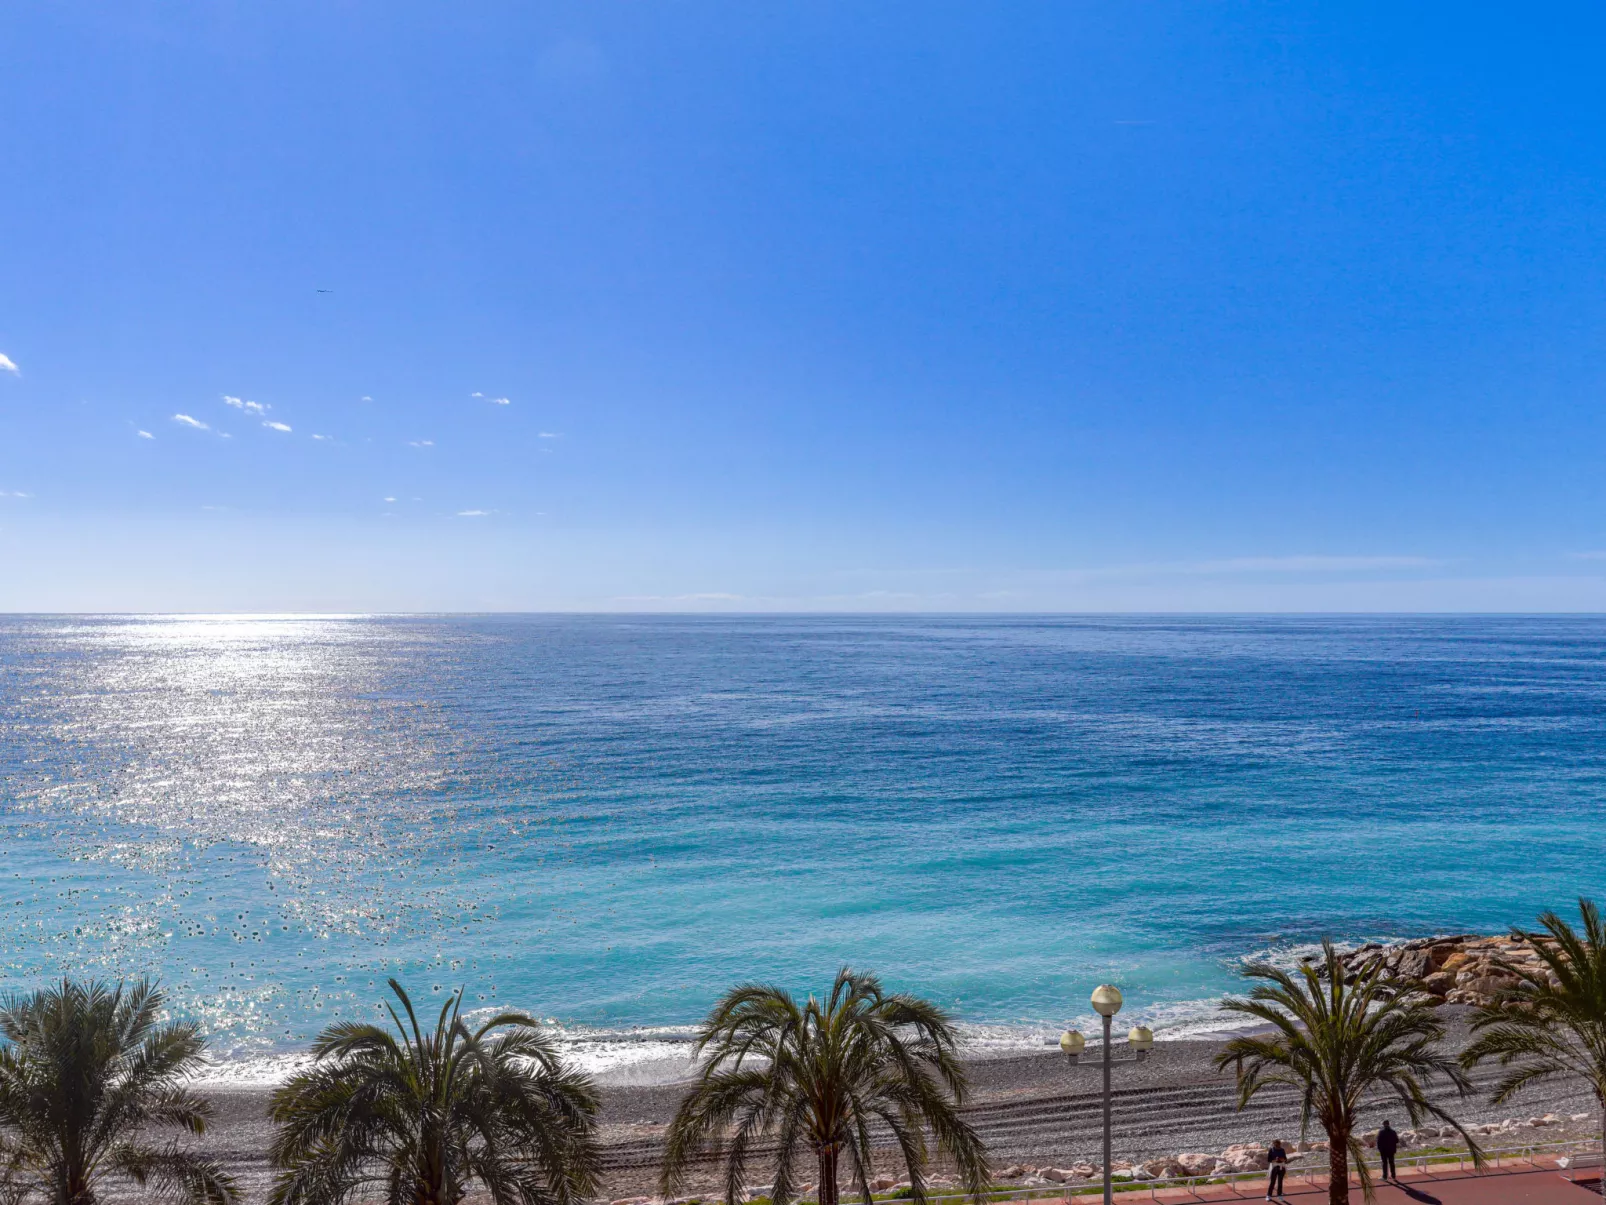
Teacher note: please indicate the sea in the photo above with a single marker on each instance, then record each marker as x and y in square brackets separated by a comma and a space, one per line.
[608, 821]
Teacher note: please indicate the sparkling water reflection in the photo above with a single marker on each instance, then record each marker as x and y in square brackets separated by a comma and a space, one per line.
[609, 819]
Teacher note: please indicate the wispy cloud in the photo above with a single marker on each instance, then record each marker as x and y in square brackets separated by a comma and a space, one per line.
[420, 443]
[7, 364]
[1310, 564]
[389, 499]
[500, 401]
[711, 596]
[14, 494]
[1588, 556]
[144, 434]
[248, 407]
[186, 421]
[273, 426]
[472, 514]
[552, 435]
[323, 437]
[476, 393]
[366, 398]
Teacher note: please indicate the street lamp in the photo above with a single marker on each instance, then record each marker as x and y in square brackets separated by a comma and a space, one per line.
[1107, 1002]
[1141, 1039]
[1072, 1043]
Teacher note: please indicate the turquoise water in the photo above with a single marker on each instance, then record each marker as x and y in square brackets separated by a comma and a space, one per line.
[609, 820]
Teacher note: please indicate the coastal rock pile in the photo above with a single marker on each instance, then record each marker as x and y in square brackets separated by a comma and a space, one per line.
[1466, 969]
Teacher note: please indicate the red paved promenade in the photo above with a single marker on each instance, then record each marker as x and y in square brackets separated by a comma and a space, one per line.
[1516, 1182]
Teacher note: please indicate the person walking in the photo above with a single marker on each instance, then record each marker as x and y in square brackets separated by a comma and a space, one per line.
[1276, 1168]
[1387, 1143]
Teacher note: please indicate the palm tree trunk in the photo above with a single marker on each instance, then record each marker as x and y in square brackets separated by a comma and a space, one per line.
[77, 1190]
[1337, 1169]
[828, 1190]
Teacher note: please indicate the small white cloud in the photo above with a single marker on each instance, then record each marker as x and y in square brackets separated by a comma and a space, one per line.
[471, 514]
[145, 435]
[476, 393]
[7, 364]
[187, 421]
[550, 435]
[248, 407]
[500, 401]
[273, 426]
[322, 437]
[366, 398]
[14, 494]
[390, 499]
[420, 443]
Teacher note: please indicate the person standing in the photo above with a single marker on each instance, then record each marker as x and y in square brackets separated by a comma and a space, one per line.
[1276, 1168]
[1387, 1143]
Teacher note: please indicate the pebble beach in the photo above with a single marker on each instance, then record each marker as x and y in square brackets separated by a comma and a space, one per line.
[1174, 1113]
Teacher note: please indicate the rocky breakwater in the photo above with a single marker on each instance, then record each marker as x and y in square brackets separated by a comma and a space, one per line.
[1465, 969]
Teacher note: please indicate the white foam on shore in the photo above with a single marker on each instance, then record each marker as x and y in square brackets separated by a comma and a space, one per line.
[662, 1054]
[649, 1055]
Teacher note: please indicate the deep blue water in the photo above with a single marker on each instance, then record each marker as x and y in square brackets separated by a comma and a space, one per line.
[610, 819]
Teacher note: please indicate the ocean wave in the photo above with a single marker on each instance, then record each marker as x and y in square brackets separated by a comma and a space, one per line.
[643, 1056]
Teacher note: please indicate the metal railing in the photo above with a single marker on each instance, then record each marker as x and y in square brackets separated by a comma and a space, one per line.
[1125, 1186]
[1462, 1159]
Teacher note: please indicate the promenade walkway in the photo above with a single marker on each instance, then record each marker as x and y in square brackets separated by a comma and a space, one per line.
[1516, 1182]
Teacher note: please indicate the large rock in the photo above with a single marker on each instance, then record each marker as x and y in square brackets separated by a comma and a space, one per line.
[1244, 1157]
[1198, 1163]
[1164, 1169]
[1439, 982]
[1413, 964]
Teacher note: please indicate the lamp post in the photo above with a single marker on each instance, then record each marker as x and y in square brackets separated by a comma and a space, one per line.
[1141, 1039]
[1072, 1043]
[1107, 1002]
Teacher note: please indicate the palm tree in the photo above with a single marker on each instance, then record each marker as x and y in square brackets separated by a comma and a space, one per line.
[1340, 1043]
[419, 1117]
[816, 1078]
[1554, 1022]
[87, 1072]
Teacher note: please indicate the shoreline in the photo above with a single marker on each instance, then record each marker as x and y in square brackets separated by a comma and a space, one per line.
[646, 1055]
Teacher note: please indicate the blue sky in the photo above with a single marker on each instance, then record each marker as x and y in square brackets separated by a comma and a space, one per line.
[802, 306]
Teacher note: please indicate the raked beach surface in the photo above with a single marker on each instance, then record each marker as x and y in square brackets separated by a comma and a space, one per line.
[609, 820]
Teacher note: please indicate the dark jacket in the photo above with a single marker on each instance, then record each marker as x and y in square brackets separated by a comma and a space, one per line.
[1388, 1141]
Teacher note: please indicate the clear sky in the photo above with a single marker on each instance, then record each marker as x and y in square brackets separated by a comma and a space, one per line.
[794, 306]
